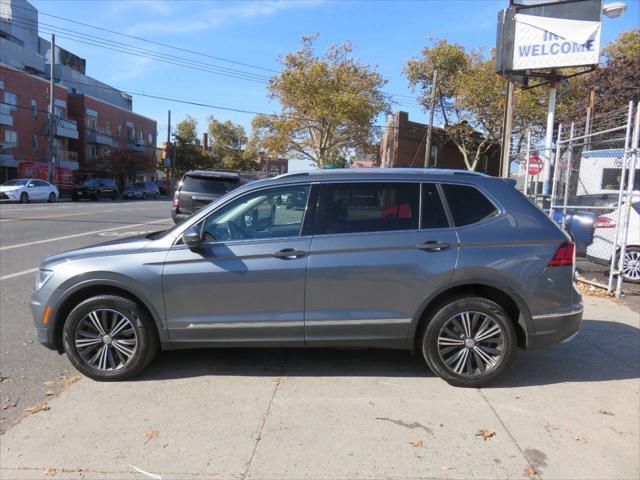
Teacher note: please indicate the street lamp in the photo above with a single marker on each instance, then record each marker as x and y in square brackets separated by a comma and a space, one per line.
[614, 10]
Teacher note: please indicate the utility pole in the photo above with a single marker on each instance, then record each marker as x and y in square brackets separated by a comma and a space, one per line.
[548, 141]
[52, 119]
[168, 153]
[427, 147]
[590, 111]
[507, 125]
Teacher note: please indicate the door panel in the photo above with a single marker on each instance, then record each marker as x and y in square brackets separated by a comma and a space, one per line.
[237, 293]
[365, 289]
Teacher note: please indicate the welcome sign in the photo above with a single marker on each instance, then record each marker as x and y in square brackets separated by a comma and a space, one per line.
[543, 42]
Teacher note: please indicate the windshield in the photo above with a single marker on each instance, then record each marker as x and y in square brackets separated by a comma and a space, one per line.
[15, 183]
[216, 186]
[90, 183]
[138, 186]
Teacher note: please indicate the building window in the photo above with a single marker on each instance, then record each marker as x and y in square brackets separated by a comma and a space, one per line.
[59, 111]
[92, 152]
[34, 142]
[92, 123]
[34, 108]
[10, 138]
[150, 139]
[11, 99]
[107, 126]
[120, 130]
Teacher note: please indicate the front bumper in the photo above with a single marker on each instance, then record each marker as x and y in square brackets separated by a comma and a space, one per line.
[45, 333]
[551, 328]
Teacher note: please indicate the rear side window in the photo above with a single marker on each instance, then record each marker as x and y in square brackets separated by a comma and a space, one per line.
[433, 214]
[467, 204]
[217, 186]
[369, 207]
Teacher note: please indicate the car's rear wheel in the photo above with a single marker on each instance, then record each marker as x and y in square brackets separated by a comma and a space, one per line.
[52, 197]
[155, 196]
[109, 338]
[631, 265]
[24, 197]
[469, 341]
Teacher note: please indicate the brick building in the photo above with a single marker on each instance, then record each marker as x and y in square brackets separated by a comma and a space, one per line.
[95, 129]
[273, 165]
[403, 145]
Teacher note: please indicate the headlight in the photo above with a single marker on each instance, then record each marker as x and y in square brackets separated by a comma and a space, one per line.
[42, 277]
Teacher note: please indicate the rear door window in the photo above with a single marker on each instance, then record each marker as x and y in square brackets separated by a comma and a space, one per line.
[368, 207]
[433, 213]
[216, 186]
[468, 204]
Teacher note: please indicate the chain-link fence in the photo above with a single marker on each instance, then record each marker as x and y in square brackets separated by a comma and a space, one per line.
[588, 185]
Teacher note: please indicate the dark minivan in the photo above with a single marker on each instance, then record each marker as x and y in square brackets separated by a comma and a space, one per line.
[199, 188]
[95, 189]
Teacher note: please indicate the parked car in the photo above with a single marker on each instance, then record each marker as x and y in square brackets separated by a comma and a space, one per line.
[199, 188]
[24, 190]
[458, 266]
[601, 250]
[164, 186]
[95, 189]
[141, 190]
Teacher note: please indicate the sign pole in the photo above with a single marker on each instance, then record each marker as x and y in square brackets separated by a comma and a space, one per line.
[506, 130]
[548, 141]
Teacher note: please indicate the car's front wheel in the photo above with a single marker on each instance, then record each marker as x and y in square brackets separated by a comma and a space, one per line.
[24, 197]
[109, 338]
[631, 265]
[52, 197]
[469, 341]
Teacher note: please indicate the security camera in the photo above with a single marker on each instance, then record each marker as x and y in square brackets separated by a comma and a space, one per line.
[614, 10]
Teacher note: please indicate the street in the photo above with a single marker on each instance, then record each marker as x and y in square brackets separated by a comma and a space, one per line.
[567, 412]
[29, 233]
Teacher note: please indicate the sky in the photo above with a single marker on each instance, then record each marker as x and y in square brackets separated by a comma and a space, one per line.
[258, 33]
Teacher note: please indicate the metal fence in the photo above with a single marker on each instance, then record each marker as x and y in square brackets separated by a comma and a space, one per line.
[589, 185]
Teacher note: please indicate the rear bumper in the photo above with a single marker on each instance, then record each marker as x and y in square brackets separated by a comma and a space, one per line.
[551, 328]
[178, 217]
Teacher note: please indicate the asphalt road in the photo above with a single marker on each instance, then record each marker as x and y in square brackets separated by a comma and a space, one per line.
[30, 373]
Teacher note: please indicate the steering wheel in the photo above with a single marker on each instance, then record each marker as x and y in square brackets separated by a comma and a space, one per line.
[234, 230]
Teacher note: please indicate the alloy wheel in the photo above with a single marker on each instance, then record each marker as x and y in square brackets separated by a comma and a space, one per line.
[471, 343]
[106, 339]
[631, 265]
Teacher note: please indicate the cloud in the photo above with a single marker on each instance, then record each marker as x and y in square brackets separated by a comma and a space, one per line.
[135, 68]
[207, 18]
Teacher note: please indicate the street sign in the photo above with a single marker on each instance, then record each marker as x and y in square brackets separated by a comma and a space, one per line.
[536, 164]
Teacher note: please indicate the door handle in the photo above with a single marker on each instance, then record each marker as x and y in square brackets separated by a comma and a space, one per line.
[289, 254]
[433, 246]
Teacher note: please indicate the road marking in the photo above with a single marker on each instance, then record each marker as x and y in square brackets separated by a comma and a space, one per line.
[18, 274]
[51, 217]
[75, 235]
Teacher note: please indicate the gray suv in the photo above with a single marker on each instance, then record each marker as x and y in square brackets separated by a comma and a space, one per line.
[457, 266]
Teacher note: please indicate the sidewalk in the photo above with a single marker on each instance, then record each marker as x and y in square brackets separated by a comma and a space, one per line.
[568, 412]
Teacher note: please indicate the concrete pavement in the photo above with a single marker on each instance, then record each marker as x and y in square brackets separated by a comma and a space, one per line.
[571, 411]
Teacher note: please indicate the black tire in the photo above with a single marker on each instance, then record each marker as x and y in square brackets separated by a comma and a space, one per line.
[114, 197]
[443, 315]
[144, 196]
[629, 276]
[24, 197]
[145, 334]
[95, 197]
[52, 198]
[155, 196]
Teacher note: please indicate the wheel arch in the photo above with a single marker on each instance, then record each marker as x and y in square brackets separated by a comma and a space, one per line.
[510, 301]
[72, 297]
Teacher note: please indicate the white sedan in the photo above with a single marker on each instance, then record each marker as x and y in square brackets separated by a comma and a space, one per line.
[24, 190]
[601, 250]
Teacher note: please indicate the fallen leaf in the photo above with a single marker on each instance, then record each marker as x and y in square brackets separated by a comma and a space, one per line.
[446, 467]
[48, 383]
[371, 403]
[151, 435]
[50, 472]
[530, 472]
[416, 444]
[2, 379]
[485, 434]
[605, 412]
[614, 429]
[48, 393]
[581, 439]
[38, 407]
[403, 402]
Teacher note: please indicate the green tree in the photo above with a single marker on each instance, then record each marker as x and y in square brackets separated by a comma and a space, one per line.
[227, 145]
[188, 151]
[469, 95]
[329, 104]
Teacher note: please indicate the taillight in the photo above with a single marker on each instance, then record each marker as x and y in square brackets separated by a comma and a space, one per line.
[564, 255]
[175, 199]
[604, 222]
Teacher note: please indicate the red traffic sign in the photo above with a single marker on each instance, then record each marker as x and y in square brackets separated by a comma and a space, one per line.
[536, 164]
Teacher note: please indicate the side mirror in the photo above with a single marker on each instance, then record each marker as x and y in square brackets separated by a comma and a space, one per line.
[191, 237]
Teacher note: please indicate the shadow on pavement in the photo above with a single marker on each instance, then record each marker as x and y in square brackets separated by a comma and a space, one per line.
[602, 351]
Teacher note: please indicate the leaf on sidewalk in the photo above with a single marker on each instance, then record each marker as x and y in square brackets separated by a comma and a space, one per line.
[446, 467]
[50, 472]
[371, 403]
[38, 407]
[49, 393]
[606, 412]
[581, 439]
[48, 383]
[530, 472]
[416, 444]
[151, 435]
[485, 434]
[614, 429]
